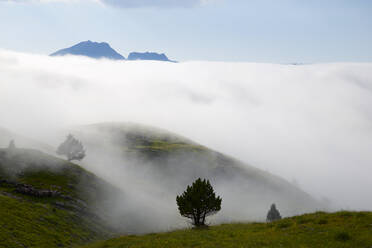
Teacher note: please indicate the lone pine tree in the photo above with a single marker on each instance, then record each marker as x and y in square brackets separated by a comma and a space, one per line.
[12, 145]
[273, 214]
[198, 202]
[72, 148]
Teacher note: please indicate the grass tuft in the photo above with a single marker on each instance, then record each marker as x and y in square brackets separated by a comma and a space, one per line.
[342, 236]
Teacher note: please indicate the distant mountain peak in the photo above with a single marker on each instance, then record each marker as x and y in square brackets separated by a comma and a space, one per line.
[91, 49]
[100, 50]
[148, 56]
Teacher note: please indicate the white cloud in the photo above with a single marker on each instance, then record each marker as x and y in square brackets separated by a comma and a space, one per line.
[46, 1]
[127, 3]
[156, 3]
[312, 123]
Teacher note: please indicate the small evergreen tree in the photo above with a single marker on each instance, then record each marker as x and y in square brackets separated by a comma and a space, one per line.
[12, 145]
[198, 202]
[273, 214]
[71, 148]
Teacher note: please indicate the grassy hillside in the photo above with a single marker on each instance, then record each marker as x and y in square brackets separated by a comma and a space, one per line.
[174, 162]
[342, 229]
[48, 202]
[25, 223]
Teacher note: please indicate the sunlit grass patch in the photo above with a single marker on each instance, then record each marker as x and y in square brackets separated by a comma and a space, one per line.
[343, 229]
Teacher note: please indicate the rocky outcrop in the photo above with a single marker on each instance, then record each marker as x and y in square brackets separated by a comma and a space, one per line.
[27, 189]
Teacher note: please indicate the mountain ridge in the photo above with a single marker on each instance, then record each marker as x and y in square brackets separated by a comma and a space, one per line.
[90, 49]
[99, 50]
[149, 56]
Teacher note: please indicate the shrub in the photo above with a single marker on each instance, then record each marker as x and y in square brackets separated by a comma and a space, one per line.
[198, 202]
[71, 148]
[342, 236]
[273, 214]
[322, 221]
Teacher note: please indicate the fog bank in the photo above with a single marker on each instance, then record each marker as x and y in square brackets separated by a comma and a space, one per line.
[309, 123]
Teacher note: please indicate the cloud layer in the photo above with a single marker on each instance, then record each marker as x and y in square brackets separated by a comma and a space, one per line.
[127, 3]
[311, 124]
[158, 3]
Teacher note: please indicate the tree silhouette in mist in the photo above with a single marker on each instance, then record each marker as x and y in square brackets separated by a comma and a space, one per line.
[273, 214]
[72, 148]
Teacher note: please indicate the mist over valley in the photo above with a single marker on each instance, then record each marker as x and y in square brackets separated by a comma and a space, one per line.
[296, 136]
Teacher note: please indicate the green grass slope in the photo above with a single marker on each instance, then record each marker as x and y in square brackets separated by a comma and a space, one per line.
[342, 229]
[175, 161]
[68, 216]
[25, 223]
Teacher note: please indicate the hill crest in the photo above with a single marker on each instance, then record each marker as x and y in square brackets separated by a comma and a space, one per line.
[91, 49]
[99, 50]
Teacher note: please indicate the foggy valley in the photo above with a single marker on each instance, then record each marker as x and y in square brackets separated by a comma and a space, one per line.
[309, 124]
[184, 124]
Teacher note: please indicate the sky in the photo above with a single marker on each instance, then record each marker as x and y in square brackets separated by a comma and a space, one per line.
[270, 31]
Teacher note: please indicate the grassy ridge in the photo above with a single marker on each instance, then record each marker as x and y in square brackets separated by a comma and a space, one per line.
[62, 220]
[342, 229]
[30, 224]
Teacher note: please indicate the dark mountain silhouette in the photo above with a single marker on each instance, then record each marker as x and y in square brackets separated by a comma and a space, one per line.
[91, 49]
[148, 56]
[98, 50]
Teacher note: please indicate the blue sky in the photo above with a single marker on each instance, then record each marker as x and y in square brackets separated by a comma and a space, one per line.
[275, 31]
